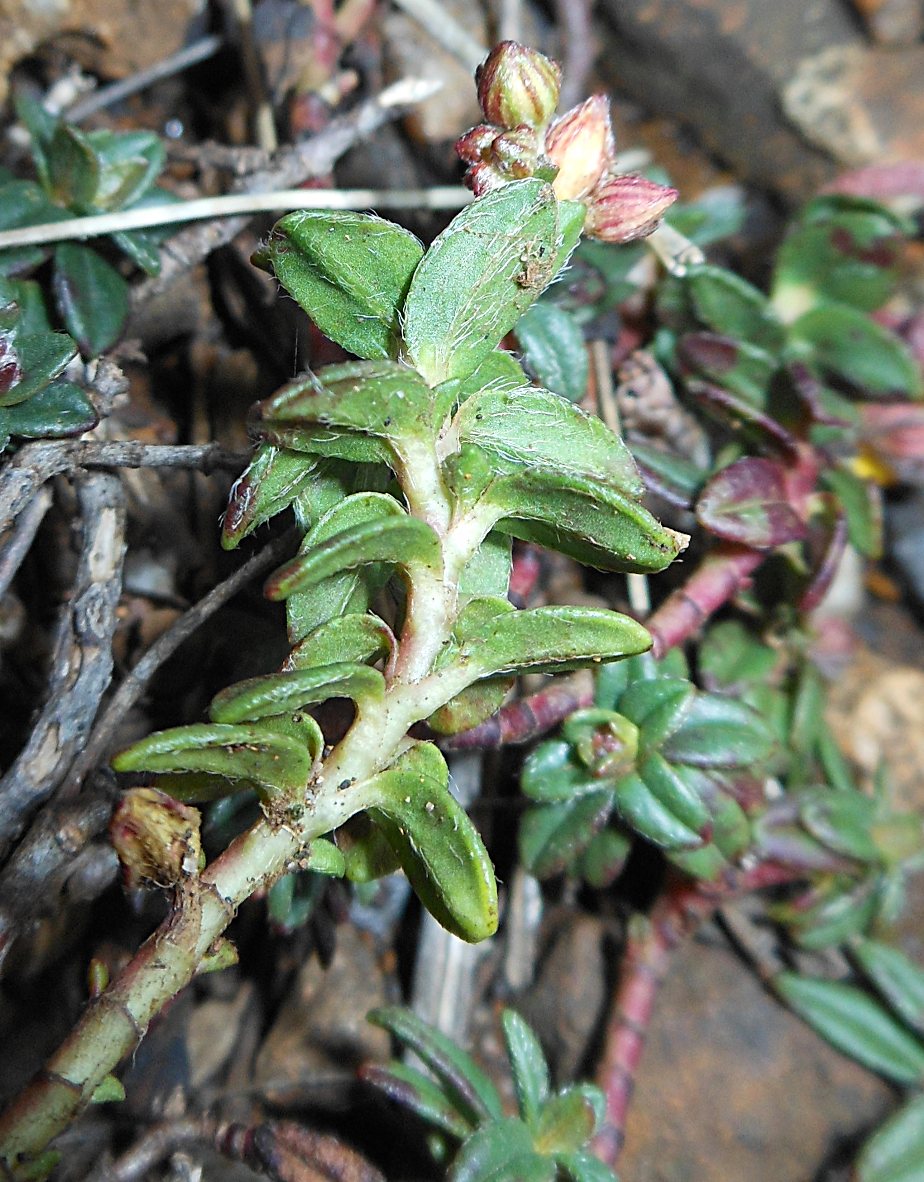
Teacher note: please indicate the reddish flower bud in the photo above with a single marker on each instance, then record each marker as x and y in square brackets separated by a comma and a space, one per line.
[581, 144]
[473, 146]
[156, 838]
[482, 178]
[515, 153]
[627, 207]
[518, 85]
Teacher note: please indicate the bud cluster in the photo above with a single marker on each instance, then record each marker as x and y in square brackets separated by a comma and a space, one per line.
[518, 90]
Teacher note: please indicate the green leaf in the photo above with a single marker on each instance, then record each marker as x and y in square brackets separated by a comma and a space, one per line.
[530, 429]
[91, 295]
[566, 1123]
[487, 572]
[60, 410]
[498, 371]
[274, 761]
[719, 732]
[42, 357]
[552, 835]
[895, 1151]
[729, 305]
[438, 846]
[456, 1070]
[283, 693]
[472, 706]
[552, 773]
[604, 858]
[73, 168]
[527, 1065]
[585, 520]
[584, 1167]
[269, 484]
[24, 203]
[41, 125]
[658, 707]
[129, 164]
[861, 502]
[856, 1024]
[349, 271]
[395, 539]
[740, 367]
[554, 350]
[842, 821]
[644, 812]
[416, 1091]
[898, 978]
[382, 399]
[869, 358]
[108, 1091]
[545, 639]
[479, 276]
[732, 658]
[501, 1152]
[356, 637]
[672, 787]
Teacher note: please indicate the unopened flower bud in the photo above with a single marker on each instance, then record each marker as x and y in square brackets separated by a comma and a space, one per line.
[482, 178]
[515, 153]
[156, 838]
[627, 207]
[518, 85]
[581, 144]
[473, 146]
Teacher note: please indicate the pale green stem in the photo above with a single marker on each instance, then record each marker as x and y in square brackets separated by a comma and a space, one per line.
[114, 1024]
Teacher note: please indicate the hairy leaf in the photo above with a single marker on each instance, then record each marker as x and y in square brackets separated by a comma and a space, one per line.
[283, 693]
[479, 276]
[349, 271]
[274, 761]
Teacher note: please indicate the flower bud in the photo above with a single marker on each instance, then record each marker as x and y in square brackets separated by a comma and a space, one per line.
[156, 838]
[627, 207]
[473, 146]
[515, 153]
[518, 85]
[581, 144]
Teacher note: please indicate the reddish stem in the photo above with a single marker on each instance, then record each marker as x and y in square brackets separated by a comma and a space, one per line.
[719, 577]
[527, 718]
[651, 942]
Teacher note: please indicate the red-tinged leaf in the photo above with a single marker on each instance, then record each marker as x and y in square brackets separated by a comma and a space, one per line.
[747, 503]
[416, 1091]
[827, 542]
[736, 365]
[856, 1024]
[457, 1071]
[894, 432]
[729, 407]
[92, 297]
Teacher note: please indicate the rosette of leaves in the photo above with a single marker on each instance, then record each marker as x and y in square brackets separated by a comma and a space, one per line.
[81, 173]
[408, 472]
[656, 758]
[36, 401]
[879, 1022]
[793, 367]
[546, 1140]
